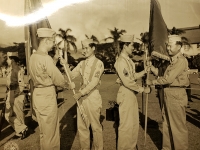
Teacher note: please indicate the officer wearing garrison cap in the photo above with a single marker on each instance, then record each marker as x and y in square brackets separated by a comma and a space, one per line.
[46, 76]
[15, 97]
[174, 80]
[126, 98]
[89, 97]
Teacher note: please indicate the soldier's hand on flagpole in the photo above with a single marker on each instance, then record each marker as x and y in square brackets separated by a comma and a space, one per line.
[147, 90]
[147, 69]
[71, 86]
[63, 61]
[149, 82]
[77, 96]
[149, 63]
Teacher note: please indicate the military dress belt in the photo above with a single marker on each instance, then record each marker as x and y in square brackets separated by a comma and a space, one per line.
[43, 86]
[171, 86]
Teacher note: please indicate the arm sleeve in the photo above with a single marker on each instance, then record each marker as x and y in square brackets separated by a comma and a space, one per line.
[76, 71]
[127, 80]
[54, 73]
[139, 75]
[172, 72]
[95, 79]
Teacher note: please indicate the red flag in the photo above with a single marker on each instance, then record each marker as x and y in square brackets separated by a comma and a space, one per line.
[158, 34]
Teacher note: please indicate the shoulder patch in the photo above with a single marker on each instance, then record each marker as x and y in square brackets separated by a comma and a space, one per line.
[125, 72]
[97, 74]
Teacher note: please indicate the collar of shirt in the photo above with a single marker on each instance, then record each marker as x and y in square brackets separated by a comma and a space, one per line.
[41, 52]
[125, 56]
[175, 57]
[90, 59]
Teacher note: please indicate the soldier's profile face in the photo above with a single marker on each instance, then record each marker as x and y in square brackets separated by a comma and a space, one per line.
[51, 42]
[87, 50]
[130, 48]
[173, 48]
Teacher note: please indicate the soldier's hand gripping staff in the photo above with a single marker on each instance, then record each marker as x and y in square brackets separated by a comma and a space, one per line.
[15, 97]
[67, 70]
[46, 76]
[90, 100]
[175, 101]
[126, 98]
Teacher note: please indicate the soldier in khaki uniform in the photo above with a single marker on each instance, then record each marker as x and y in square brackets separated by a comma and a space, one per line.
[46, 76]
[90, 70]
[174, 80]
[126, 98]
[14, 113]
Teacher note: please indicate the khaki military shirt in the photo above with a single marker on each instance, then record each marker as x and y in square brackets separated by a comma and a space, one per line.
[125, 68]
[89, 85]
[44, 72]
[176, 73]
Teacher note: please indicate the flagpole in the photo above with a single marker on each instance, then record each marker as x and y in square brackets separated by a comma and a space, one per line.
[78, 105]
[28, 54]
[75, 93]
[27, 38]
[147, 98]
[158, 35]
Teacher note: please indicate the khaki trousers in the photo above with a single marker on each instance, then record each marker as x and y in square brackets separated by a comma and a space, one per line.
[129, 119]
[45, 106]
[91, 106]
[176, 102]
[14, 113]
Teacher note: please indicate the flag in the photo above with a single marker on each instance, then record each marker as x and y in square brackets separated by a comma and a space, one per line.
[158, 33]
[158, 36]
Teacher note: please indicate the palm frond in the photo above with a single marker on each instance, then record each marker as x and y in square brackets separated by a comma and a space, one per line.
[62, 33]
[94, 38]
[68, 30]
[74, 46]
[71, 38]
[86, 36]
[108, 38]
[59, 35]
[121, 32]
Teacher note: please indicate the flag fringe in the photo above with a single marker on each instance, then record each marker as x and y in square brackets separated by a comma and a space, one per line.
[159, 55]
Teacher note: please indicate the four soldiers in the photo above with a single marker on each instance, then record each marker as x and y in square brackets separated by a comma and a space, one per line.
[126, 96]
[46, 76]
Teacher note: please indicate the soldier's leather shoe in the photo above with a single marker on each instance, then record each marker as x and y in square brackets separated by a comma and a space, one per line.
[24, 133]
[16, 137]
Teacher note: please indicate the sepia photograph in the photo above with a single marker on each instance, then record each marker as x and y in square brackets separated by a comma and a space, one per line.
[100, 75]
